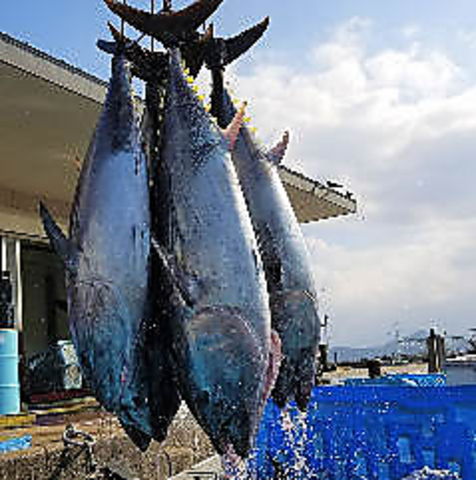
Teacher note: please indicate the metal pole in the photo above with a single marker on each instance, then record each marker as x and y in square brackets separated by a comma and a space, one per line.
[432, 357]
[152, 10]
[122, 21]
[4, 254]
[19, 286]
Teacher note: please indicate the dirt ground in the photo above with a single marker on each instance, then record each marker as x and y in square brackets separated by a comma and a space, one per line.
[185, 446]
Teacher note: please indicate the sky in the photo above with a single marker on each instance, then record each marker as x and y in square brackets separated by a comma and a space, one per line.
[379, 96]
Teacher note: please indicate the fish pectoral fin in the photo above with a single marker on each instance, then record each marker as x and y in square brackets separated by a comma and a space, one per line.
[59, 242]
[231, 132]
[276, 154]
[176, 276]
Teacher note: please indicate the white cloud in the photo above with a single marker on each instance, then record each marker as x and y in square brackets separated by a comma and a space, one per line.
[410, 31]
[426, 273]
[399, 127]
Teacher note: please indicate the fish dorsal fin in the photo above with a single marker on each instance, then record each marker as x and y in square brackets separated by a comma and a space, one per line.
[231, 132]
[276, 154]
[61, 245]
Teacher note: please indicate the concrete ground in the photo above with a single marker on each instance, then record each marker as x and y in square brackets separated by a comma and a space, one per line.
[185, 446]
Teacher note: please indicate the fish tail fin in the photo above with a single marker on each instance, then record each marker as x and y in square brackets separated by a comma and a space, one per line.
[276, 154]
[222, 52]
[240, 44]
[231, 132]
[58, 240]
[195, 51]
[120, 41]
[167, 27]
[107, 47]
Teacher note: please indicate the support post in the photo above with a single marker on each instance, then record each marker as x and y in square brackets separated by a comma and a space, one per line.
[11, 262]
[441, 352]
[323, 357]
[436, 352]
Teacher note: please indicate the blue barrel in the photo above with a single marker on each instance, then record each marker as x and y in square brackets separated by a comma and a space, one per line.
[9, 384]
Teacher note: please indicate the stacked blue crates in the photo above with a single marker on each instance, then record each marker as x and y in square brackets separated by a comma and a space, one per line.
[371, 433]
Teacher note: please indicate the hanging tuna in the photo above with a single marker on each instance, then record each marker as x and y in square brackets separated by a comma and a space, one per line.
[106, 260]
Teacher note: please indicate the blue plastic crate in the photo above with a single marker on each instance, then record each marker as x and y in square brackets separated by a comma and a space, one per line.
[370, 432]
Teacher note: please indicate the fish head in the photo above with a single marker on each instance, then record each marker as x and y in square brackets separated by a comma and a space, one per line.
[94, 308]
[227, 374]
[300, 340]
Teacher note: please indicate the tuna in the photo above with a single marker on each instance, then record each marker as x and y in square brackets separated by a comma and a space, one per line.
[293, 298]
[222, 342]
[106, 260]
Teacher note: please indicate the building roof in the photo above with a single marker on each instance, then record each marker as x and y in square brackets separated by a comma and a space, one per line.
[48, 111]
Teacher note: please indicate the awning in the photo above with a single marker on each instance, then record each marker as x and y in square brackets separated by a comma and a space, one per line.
[48, 110]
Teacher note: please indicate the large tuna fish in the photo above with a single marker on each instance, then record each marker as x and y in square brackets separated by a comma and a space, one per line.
[222, 335]
[106, 261]
[291, 286]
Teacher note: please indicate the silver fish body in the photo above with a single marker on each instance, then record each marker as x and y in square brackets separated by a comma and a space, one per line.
[106, 260]
[293, 298]
[222, 338]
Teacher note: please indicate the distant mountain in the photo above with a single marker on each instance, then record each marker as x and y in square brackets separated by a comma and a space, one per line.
[411, 345]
